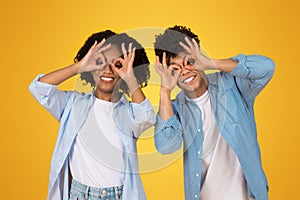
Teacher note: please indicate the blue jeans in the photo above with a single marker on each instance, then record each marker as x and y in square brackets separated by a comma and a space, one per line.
[79, 191]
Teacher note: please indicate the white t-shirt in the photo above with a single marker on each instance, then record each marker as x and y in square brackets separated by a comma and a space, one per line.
[96, 158]
[222, 176]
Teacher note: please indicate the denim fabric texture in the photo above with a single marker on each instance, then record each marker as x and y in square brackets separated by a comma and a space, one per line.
[233, 96]
[79, 191]
[71, 109]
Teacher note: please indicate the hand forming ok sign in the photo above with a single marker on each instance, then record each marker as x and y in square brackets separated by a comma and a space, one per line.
[195, 59]
[124, 67]
[169, 74]
[94, 59]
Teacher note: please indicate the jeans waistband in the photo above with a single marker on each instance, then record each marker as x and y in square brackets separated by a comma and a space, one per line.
[81, 190]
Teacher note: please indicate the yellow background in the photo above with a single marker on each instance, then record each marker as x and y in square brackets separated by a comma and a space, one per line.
[41, 36]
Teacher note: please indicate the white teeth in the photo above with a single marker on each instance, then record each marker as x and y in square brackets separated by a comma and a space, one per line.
[189, 79]
[107, 79]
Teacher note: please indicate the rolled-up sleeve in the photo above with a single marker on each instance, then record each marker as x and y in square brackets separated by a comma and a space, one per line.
[49, 96]
[167, 135]
[252, 73]
[142, 116]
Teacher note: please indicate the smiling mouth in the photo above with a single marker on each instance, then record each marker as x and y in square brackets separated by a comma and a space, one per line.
[189, 79]
[106, 79]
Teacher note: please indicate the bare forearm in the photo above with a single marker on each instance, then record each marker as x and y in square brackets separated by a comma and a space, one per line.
[60, 75]
[225, 65]
[165, 106]
[137, 95]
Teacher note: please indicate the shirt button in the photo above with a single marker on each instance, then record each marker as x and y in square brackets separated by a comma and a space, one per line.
[198, 152]
[198, 129]
[197, 174]
[196, 196]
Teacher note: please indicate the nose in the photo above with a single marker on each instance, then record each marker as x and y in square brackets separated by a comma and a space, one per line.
[108, 69]
[184, 71]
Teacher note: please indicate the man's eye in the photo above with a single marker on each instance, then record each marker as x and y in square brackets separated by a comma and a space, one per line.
[190, 61]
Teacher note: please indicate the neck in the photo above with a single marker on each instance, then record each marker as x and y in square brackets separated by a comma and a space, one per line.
[196, 93]
[111, 97]
[203, 86]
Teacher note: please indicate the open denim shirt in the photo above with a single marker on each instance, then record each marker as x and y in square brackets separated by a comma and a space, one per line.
[71, 109]
[233, 97]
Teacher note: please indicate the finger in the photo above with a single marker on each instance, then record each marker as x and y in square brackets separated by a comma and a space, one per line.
[101, 43]
[188, 50]
[130, 47]
[119, 61]
[177, 74]
[158, 68]
[124, 50]
[114, 68]
[101, 67]
[102, 58]
[132, 55]
[129, 52]
[99, 60]
[157, 61]
[189, 42]
[185, 59]
[94, 45]
[196, 45]
[172, 70]
[190, 67]
[100, 63]
[100, 50]
[164, 60]
[189, 60]
[175, 67]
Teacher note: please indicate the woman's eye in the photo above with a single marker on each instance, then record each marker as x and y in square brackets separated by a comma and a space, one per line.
[118, 65]
[99, 62]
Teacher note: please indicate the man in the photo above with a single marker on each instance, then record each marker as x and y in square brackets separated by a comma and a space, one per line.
[212, 117]
[98, 131]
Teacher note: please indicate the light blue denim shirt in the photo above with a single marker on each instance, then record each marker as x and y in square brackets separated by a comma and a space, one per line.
[233, 97]
[71, 110]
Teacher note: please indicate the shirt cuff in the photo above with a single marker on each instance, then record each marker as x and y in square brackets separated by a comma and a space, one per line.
[240, 69]
[141, 107]
[41, 87]
[161, 124]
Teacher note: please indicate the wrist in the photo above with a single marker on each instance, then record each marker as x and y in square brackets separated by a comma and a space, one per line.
[165, 90]
[131, 83]
[77, 68]
[225, 65]
[211, 64]
[129, 78]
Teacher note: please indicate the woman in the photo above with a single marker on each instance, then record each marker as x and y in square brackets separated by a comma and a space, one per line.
[98, 131]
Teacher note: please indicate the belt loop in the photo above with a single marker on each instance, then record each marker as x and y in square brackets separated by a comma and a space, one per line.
[116, 193]
[86, 195]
